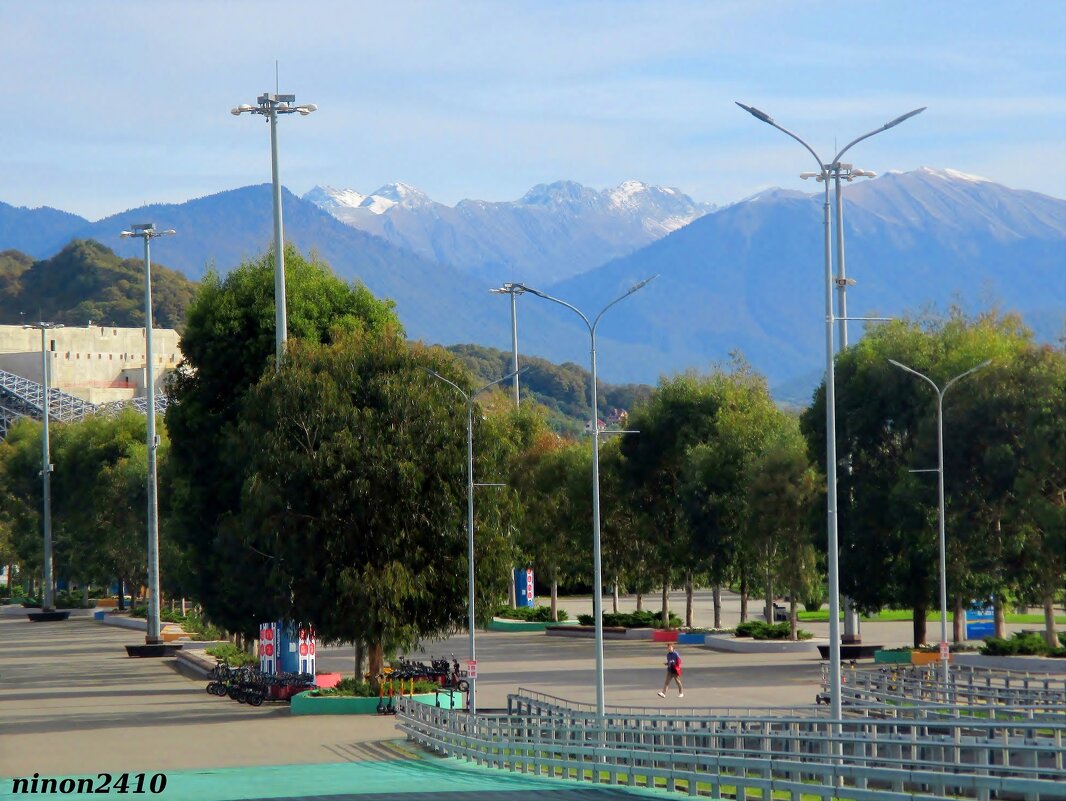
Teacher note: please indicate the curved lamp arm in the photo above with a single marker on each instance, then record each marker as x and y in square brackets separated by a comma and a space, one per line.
[925, 378]
[885, 127]
[762, 115]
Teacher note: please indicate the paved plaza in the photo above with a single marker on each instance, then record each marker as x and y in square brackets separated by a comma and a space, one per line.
[73, 704]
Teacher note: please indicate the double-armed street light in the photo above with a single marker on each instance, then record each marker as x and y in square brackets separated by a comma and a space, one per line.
[48, 596]
[940, 493]
[147, 232]
[270, 106]
[597, 588]
[469, 398]
[824, 173]
[513, 290]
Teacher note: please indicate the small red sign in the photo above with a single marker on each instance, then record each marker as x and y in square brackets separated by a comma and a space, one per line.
[471, 668]
[943, 650]
[268, 649]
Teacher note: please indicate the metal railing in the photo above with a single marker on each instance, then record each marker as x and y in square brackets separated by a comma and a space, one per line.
[970, 691]
[21, 397]
[787, 756]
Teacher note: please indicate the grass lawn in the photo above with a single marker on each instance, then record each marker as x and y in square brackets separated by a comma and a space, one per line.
[890, 615]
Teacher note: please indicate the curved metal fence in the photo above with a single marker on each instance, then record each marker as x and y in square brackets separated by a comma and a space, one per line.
[788, 756]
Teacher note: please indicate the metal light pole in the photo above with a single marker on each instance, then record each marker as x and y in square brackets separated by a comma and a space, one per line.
[512, 290]
[469, 398]
[270, 106]
[147, 231]
[940, 491]
[852, 630]
[48, 596]
[597, 582]
[825, 171]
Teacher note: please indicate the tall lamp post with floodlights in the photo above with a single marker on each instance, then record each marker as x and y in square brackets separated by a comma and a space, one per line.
[270, 106]
[826, 170]
[513, 290]
[147, 232]
[940, 493]
[48, 596]
[469, 398]
[597, 588]
[846, 172]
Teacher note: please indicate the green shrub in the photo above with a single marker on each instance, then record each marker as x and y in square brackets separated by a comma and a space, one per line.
[231, 655]
[760, 630]
[643, 619]
[350, 686]
[534, 614]
[1022, 643]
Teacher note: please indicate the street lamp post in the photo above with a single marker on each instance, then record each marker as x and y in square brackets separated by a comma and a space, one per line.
[597, 582]
[825, 171]
[940, 492]
[270, 106]
[469, 398]
[852, 632]
[512, 290]
[48, 596]
[147, 231]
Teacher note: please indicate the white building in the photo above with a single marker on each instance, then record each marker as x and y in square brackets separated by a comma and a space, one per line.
[99, 364]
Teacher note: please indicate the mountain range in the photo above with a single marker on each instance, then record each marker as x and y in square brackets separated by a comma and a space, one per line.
[747, 277]
[553, 232]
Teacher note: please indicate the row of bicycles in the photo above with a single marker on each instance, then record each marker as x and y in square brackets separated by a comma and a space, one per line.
[249, 685]
[443, 672]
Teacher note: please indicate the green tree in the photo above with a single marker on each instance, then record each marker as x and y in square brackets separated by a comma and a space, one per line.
[886, 424]
[227, 345]
[782, 488]
[356, 490]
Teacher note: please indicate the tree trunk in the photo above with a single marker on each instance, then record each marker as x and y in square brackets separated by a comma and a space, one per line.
[919, 624]
[743, 595]
[555, 601]
[1000, 619]
[614, 597]
[793, 625]
[85, 594]
[666, 605]
[376, 658]
[769, 611]
[717, 595]
[10, 571]
[640, 601]
[688, 600]
[1049, 621]
[360, 660]
[957, 633]
[121, 595]
[512, 598]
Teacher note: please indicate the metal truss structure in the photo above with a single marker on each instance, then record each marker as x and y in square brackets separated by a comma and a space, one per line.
[20, 397]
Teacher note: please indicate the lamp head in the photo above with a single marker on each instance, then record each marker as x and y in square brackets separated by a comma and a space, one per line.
[759, 115]
[905, 117]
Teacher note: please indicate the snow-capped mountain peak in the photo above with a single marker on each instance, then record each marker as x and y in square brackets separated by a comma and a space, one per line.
[329, 198]
[557, 228]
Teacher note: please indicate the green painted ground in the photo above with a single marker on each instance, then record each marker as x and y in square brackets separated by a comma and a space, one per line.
[443, 780]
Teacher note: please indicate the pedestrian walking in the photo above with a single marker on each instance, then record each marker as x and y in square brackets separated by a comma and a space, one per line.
[673, 671]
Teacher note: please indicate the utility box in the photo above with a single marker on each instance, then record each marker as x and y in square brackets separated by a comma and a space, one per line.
[523, 587]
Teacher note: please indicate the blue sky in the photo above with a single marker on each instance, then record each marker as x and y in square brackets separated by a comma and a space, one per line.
[113, 104]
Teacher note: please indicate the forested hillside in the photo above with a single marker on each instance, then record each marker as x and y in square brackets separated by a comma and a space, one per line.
[562, 388]
[87, 281]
